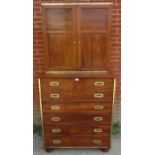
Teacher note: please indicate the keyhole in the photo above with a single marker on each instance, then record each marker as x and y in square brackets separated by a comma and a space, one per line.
[77, 79]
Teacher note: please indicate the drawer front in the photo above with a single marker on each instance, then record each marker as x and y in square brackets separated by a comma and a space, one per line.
[101, 130]
[76, 84]
[79, 118]
[104, 96]
[77, 107]
[77, 141]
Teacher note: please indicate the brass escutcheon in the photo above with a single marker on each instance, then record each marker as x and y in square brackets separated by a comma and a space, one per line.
[98, 95]
[54, 84]
[99, 83]
[56, 141]
[56, 130]
[55, 107]
[98, 107]
[55, 96]
[56, 119]
[97, 141]
[97, 130]
[97, 119]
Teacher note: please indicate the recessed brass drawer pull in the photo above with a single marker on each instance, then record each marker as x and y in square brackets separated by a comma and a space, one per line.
[99, 83]
[55, 107]
[55, 96]
[97, 130]
[98, 95]
[56, 119]
[97, 141]
[98, 119]
[98, 107]
[56, 141]
[54, 84]
[56, 130]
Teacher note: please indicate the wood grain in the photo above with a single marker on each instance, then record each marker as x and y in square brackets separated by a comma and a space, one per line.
[76, 37]
[83, 85]
[77, 129]
[77, 107]
[80, 118]
[77, 141]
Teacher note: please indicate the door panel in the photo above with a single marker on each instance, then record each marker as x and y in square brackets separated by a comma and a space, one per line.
[60, 37]
[59, 18]
[93, 37]
[61, 51]
[93, 50]
[94, 18]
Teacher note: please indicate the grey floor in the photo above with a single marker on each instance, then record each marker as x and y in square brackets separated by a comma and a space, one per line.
[39, 150]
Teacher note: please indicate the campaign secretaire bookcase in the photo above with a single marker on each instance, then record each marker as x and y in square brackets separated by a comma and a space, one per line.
[77, 90]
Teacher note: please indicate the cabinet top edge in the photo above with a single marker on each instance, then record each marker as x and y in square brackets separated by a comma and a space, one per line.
[62, 4]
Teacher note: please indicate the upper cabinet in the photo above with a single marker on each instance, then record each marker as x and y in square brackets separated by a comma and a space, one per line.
[76, 37]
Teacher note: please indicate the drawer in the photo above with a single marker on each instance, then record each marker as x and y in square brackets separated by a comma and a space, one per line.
[76, 84]
[51, 130]
[77, 118]
[77, 107]
[77, 141]
[103, 96]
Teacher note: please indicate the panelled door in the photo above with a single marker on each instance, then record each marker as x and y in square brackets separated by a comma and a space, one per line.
[93, 35]
[59, 24]
[76, 36]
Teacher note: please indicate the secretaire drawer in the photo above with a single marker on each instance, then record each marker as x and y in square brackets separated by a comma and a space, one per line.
[75, 129]
[77, 107]
[79, 118]
[76, 84]
[100, 96]
[77, 141]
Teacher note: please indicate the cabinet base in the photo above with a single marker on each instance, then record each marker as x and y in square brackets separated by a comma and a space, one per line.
[51, 149]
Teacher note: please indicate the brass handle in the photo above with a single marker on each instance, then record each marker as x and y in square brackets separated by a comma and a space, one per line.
[56, 119]
[54, 95]
[99, 95]
[79, 42]
[98, 119]
[98, 107]
[97, 141]
[56, 141]
[99, 83]
[55, 107]
[54, 84]
[97, 130]
[56, 130]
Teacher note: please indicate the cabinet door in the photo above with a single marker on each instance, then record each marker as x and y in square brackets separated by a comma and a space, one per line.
[59, 25]
[93, 36]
